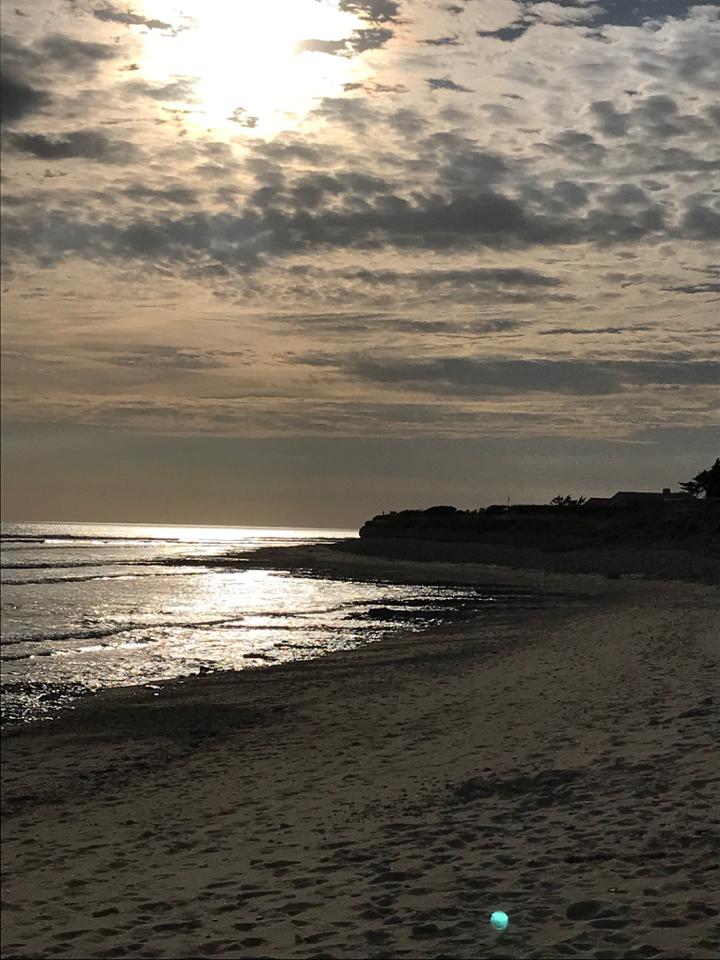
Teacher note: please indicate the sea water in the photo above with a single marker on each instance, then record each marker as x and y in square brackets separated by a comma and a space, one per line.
[86, 606]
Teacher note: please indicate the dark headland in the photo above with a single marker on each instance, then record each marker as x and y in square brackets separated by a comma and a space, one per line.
[669, 536]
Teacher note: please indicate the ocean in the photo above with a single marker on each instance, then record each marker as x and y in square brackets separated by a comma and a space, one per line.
[87, 606]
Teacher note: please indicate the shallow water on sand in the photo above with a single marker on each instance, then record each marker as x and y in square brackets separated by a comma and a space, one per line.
[86, 606]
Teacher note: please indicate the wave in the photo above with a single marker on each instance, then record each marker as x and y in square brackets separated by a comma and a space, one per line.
[103, 632]
[112, 629]
[71, 564]
[108, 576]
[99, 576]
[56, 539]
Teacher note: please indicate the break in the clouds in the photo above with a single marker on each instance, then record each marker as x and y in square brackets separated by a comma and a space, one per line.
[513, 203]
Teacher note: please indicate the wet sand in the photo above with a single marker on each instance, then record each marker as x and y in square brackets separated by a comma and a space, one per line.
[560, 765]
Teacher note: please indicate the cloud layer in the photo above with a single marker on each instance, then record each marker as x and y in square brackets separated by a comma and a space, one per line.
[483, 215]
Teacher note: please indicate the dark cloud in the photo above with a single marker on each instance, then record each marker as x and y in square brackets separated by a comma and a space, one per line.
[677, 160]
[376, 11]
[442, 41]
[19, 94]
[713, 113]
[110, 14]
[19, 100]
[170, 358]
[593, 17]
[351, 324]
[83, 144]
[702, 222]
[577, 147]
[407, 122]
[470, 377]
[362, 39]
[654, 118]
[68, 53]
[570, 194]
[709, 287]
[506, 34]
[76, 54]
[286, 151]
[371, 86]
[626, 194]
[461, 167]
[477, 276]
[587, 331]
[355, 113]
[348, 211]
[439, 83]
[610, 121]
[430, 222]
[371, 38]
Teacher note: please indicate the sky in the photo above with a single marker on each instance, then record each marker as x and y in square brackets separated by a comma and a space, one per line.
[302, 261]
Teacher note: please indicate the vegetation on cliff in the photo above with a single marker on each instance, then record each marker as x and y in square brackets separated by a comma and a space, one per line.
[644, 520]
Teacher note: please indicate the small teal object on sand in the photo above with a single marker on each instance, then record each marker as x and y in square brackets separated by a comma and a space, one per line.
[500, 920]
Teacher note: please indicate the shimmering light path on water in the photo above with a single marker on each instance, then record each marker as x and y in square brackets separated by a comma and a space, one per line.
[86, 606]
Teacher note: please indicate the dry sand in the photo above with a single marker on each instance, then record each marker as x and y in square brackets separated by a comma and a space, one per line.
[560, 766]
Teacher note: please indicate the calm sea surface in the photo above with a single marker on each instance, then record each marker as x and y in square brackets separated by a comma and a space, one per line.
[86, 606]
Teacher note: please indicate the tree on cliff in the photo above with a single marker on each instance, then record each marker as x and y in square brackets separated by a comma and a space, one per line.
[706, 483]
[567, 501]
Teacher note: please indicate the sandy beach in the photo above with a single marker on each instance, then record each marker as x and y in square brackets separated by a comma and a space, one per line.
[559, 765]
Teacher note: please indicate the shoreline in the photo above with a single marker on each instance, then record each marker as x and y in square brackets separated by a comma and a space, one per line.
[458, 559]
[366, 803]
[328, 562]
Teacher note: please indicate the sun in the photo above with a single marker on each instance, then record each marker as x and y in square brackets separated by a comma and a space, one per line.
[245, 60]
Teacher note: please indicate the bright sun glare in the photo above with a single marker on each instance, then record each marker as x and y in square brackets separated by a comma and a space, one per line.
[244, 59]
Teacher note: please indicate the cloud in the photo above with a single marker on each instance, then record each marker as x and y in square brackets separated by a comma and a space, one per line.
[610, 121]
[592, 331]
[702, 221]
[19, 100]
[182, 196]
[372, 87]
[178, 89]
[362, 39]
[439, 83]
[506, 34]
[476, 276]
[471, 285]
[371, 38]
[562, 14]
[322, 46]
[344, 212]
[470, 377]
[594, 17]
[453, 41]
[170, 358]
[76, 54]
[422, 230]
[53, 51]
[376, 11]
[693, 288]
[80, 144]
[110, 14]
[578, 148]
